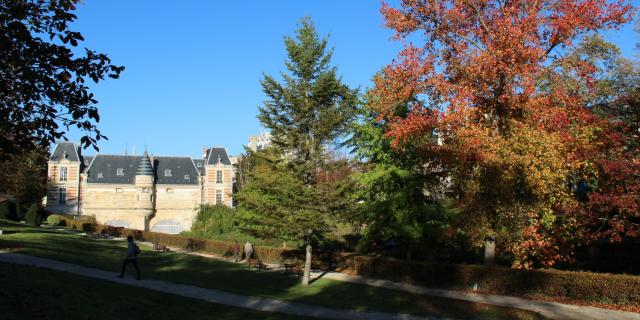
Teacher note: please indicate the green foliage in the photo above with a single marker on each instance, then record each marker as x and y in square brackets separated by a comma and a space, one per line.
[43, 83]
[280, 195]
[8, 211]
[24, 176]
[396, 192]
[311, 107]
[214, 220]
[54, 220]
[34, 215]
[275, 203]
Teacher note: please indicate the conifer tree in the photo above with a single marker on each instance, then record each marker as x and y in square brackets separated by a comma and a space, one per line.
[306, 113]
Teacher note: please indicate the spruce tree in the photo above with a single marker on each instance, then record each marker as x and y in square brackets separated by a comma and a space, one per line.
[311, 107]
[306, 113]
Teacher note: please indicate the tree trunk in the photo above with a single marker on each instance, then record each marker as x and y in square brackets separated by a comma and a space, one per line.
[284, 244]
[307, 267]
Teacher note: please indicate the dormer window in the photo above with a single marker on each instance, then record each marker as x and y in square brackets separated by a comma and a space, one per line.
[100, 175]
[120, 172]
[186, 177]
[167, 173]
[199, 164]
[65, 155]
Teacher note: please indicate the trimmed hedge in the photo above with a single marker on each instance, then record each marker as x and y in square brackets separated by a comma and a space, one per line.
[34, 215]
[583, 286]
[54, 220]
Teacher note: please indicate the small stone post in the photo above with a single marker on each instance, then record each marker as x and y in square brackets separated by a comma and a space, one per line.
[489, 251]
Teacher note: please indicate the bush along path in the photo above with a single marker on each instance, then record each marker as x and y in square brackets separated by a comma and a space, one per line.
[210, 295]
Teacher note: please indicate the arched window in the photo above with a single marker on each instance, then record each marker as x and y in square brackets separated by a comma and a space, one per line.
[167, 226]
[118, 223]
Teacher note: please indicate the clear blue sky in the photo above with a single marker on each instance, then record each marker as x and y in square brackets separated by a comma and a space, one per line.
[193, 67]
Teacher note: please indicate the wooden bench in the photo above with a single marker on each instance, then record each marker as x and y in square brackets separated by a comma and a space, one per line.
[293, 268]
[160, 247]
[257, 263]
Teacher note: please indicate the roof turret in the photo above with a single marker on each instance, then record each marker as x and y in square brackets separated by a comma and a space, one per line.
[144, 166]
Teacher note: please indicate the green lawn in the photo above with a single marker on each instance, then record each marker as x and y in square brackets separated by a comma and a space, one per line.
[209, 273]
[33, 293]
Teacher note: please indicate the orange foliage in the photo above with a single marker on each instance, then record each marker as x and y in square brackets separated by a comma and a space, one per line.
[510, 131]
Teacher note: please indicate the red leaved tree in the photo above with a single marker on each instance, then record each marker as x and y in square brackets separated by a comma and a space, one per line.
[510, 130]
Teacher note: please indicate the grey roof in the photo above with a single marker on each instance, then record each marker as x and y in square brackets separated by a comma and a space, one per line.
[86, 161]
[215, 153]
[104, 169]
[181, 169]
[65, 150]
[144, 166]
[199, 165]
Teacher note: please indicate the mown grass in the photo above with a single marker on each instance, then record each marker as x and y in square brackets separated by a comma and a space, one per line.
[34, 293]
[210, 273]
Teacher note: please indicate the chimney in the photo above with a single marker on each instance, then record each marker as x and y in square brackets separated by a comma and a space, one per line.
[205, 152]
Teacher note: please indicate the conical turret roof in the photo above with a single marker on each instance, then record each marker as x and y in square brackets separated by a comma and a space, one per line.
[144, 167]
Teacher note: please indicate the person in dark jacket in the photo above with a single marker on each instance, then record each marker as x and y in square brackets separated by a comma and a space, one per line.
[132, 257]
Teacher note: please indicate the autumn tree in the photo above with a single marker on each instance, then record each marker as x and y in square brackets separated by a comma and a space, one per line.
[43, 90]
[509, 136]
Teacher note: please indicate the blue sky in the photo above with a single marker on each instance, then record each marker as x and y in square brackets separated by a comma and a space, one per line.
[193, 67]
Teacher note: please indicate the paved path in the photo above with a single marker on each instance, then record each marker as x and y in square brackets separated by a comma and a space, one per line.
[551, 310]
[210, 295]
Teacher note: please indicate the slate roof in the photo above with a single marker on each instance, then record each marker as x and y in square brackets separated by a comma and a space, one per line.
[104, 169]
[180, 167]
[214, 153]
[199, 165]
[65, 148]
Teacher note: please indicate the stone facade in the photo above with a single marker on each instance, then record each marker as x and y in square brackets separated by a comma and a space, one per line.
[140, 192]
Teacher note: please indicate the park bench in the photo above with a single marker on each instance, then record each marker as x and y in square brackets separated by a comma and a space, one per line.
[257, 263]
[160, 247]
[296, 269]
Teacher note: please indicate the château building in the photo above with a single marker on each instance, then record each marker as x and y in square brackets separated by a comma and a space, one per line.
[142, 192]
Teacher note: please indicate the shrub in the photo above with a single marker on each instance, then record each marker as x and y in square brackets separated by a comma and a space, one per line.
[582, 286]
[8, 211]
[34, 215]
[84, 223]
[214, 220]
[53, 220]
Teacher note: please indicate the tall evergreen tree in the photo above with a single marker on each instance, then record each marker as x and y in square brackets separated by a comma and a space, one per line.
[307, 113]
[311, 107]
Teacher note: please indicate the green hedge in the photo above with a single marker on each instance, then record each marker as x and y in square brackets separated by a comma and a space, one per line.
[549, 283]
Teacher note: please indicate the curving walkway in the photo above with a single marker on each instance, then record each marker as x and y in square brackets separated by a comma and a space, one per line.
[210, 295]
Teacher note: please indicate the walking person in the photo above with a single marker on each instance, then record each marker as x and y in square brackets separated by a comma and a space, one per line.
[132, 257]
[248, 250]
